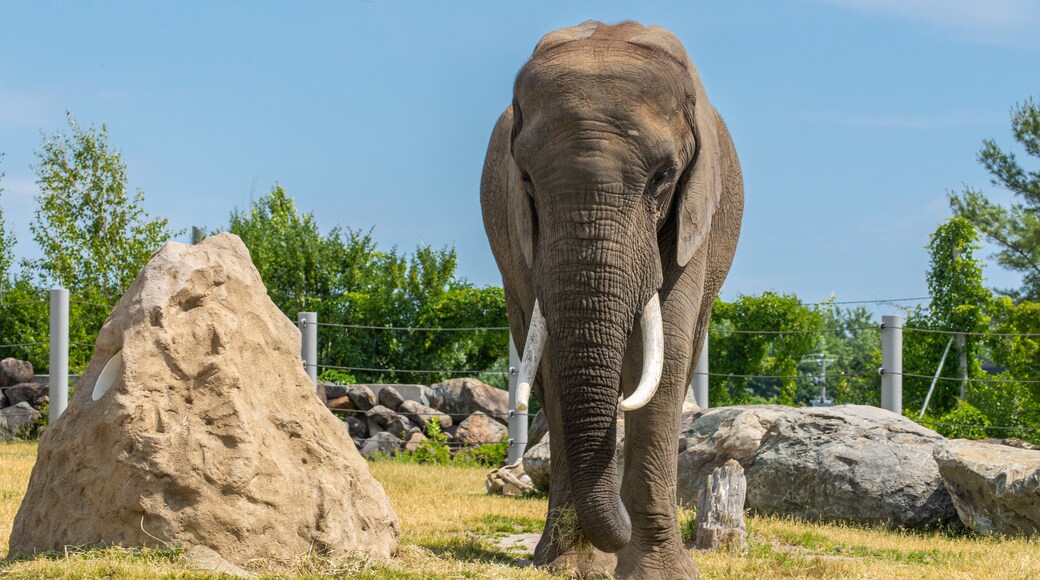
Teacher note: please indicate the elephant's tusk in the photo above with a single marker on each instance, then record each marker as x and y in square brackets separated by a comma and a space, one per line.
[532, 356]
[653, 356]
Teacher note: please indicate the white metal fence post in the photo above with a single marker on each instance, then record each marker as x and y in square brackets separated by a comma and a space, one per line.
[517, 420]
[892, 363]
[308, 325]
[59, 356]
[699, 382]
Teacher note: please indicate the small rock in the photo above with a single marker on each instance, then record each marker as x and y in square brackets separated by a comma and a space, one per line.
[17, 421]
[538, 464]
[478, 429]
[14, 371]
[362, 396]
[400, 425]
[995, 488]
[382, 441]
[390, 398]
[335, 391]
[25, 392]
[380, 415]
[421, 415]
[343, 403]
[412, 444]
[356, 427]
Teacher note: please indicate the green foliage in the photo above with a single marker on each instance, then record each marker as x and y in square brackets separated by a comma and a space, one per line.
[487, 455]
[852, 348]
[1015, 228]
[963, 422]
[435, 448]
[347, 280]
[736, 352]
[95, 237]
[960, 303]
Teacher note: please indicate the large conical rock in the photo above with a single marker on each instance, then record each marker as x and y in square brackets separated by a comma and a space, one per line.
[209, 433]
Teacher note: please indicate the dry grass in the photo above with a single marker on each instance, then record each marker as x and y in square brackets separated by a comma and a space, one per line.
[449, 526]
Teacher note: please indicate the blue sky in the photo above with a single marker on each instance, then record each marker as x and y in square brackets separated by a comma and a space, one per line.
[852, 118]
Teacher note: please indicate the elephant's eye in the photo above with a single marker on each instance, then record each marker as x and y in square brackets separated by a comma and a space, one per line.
[660, 179]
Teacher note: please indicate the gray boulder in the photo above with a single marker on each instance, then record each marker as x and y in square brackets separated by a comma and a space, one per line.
[357, 428]
[539, 427]
[422, 415]
[538, 463]
[334, 391]
[380, 415]
[389, 398]
[711, 437]
[462, 397]
[362, 397]
[478, 429]
[14, 371]
[996, 488]
[17, 421]
[382, 441]
[400, 425]
[31, 393]
[850, 463]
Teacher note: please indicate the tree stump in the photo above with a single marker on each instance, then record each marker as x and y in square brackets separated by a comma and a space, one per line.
[720, 509]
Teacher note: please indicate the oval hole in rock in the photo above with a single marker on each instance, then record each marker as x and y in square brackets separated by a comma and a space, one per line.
[109, 374]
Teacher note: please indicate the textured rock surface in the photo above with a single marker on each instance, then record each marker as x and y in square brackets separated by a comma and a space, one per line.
[357, 428]
[382, 441]
[421, 415]
[26, 392]
[996, 488]
[850, 463]
[711, 437]
[460, 397]
[539, 427]
[720, 509]
[362, 396]
[478, 429]
[341, 404]
[16, 421]
[211, 433]
[389, 398]
[537, 460]
[14, 371]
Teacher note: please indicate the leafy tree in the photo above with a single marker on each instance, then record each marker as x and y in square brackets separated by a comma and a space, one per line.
[738, 352]
[960, 303]
[1014, 228]
[94, 234]
[347, 280]
[851, 345]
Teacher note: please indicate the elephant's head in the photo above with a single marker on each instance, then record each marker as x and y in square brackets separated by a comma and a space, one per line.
[616, 180]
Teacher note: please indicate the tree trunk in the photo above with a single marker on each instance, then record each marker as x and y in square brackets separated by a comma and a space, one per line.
[720, 509]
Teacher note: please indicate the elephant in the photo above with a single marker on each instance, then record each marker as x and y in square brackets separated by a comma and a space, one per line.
[612, 199]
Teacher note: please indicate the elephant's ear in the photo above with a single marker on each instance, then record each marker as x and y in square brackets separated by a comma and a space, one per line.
[700, 188]
[519, 201]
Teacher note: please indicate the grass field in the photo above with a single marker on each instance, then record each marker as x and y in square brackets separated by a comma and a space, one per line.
[452, 529]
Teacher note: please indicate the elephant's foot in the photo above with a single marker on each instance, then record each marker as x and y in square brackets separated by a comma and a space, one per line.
[578, 561]
[641, 561]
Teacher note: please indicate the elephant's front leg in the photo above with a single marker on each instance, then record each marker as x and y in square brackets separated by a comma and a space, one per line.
[648, 489]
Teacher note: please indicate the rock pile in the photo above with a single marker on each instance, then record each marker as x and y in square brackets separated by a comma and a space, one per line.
[390, 418]
[21, 399]
[195, 425]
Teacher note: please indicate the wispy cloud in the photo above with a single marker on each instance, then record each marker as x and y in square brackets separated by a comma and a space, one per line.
[992, 21]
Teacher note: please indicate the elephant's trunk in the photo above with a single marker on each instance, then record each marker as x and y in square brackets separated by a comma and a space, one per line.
[591, 301]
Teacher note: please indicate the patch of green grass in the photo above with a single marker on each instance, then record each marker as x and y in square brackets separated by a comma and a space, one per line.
[501, 524]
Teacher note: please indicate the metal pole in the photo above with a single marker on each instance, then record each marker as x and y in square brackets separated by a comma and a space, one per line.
[59, 359]
[308, 325]
[699, 382]
[892, 363]
[517, 420]
[935, 379]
